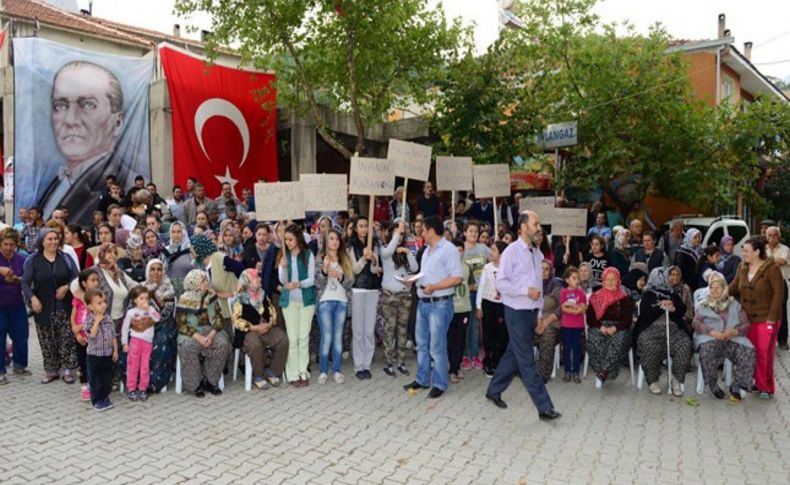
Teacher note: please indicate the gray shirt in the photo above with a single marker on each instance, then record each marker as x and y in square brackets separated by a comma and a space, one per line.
[388, 281]
[438, 263]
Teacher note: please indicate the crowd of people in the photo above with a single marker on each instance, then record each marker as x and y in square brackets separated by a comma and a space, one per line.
[150, 281]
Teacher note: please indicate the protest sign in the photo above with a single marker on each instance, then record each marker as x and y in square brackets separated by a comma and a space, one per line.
[410, 160]
[279, 201]
[371, 176]
[492, 180]
[569, 222]
[324, 192]
[453, 173]
[542, 206]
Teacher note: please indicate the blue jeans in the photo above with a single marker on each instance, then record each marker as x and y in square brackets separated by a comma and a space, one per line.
[13, 322]
[472, 344]
[331, 317]
[433, 320]
[572, 346]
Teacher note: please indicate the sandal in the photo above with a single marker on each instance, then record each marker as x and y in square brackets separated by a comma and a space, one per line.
[68, 378]
[49, 378]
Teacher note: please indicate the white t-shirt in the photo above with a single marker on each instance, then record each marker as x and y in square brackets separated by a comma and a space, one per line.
[334, 289]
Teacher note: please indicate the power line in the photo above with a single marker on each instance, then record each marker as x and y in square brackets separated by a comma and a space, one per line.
[771, 39]
[770, 62]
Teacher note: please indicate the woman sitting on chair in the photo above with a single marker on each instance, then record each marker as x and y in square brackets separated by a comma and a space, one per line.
[720, 328]
[609, 318]
[255, 321]
[651, 332]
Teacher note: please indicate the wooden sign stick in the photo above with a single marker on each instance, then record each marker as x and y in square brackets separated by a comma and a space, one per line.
[405, 192]
[370, 221]
[452, 215]
[496, 220]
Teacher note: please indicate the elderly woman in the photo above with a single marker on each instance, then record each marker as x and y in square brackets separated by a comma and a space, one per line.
[134, 262]
[162, 299]
[199, 324]
[619, 256]
[687, 257]
[720, 328]
[586, 281]
[547, 331]
[178, 255]
[759, 288]
[651, 329]
[13, 315]
[729, 262]
[609, 318]
[45, 283]
[678, 286]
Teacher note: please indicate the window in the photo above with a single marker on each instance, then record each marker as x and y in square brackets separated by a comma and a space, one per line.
[738, 232]
[715, 236]
[728, 91]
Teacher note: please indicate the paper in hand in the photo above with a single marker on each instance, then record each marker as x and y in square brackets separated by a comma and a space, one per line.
[409, 279]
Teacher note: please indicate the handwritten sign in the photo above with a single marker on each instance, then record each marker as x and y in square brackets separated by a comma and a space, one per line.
[569, 222]
[492, 180]
[411, 160]
[371, 176]
[542, 206]
[279, 201]
[453, 173]
[324, 192]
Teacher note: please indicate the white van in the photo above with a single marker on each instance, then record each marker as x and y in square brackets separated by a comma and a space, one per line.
[715, 228]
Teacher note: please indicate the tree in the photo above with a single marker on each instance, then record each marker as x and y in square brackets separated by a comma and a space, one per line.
[363, 57]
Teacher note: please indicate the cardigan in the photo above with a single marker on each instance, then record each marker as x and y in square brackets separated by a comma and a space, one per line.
[321, 280]
[42, 279]
[621, 313]
[707, 320]
[763, 296]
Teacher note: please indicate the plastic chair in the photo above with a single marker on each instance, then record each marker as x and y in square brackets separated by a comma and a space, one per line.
[247, 369]
[180, 383]
[727, 376]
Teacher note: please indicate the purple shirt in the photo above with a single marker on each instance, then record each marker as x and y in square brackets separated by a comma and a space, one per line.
[519, 269]
[11, 293]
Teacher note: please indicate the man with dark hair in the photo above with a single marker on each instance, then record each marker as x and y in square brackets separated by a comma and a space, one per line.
[441, 272]
[520, 282]
[156, 199]
[428, 204]
[649, 253]
[29, 236]
[226, 197]
[175, 204]
[193, 204]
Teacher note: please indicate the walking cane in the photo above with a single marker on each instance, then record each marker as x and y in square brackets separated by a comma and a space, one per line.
[669, 359]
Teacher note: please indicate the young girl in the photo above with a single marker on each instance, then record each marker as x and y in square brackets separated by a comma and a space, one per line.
[102, 349]
[491, 312]
[137, 336]
[364, 297]
[475, 256]
[573, 301]
[462, 308]
[86, 280]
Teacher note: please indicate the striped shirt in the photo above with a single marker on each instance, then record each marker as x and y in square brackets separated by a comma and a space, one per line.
[101, 344]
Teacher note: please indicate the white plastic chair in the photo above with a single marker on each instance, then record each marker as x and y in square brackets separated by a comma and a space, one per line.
[727, 376]
[180, 384]
[247, 369]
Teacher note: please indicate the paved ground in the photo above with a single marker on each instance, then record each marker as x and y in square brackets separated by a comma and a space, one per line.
[373, 432]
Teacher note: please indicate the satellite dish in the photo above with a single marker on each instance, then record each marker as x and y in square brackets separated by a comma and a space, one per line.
[506, 4]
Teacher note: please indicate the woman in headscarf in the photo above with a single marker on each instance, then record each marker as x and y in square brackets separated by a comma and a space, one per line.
[634, 282]
[547, 331]
[152, 246]
[609, 318]
[255, 322]
[619, 257]
[134, 263]
[199, 324]
[729, 262]
[46, 277]
[720, 329]
[230, 244]
[651, 332]
[178, 256]
[163, 300]
[586, 281]
[687, 257]
[678, 286]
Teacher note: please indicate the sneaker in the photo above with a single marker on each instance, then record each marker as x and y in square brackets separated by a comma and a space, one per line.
[3, 379]
[402, 369]
[101, 406]
[261, 383]
[339, 378]
[132, 395]
[489, 372]
[108, 404]
[577, 378]
[360, 374]
[85, 394]
[322, 377]
[654, 388]
[476, 363]
[466, 364]
[566, 377]
[389, 371]
[764, 395]
[460, 374]
[454, 379]
[22, 372]
[142, 396]
[677, 388]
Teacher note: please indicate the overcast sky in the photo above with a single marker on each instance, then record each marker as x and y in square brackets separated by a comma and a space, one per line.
[764, 22]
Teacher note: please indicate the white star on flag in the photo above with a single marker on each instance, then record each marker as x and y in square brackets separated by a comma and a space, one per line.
[227, 179]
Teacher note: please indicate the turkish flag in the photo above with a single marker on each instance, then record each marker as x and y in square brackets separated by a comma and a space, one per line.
[224, 123]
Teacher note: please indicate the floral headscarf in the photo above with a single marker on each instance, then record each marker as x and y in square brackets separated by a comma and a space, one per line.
[172, 246]
[718, 305]
[658, 282]
[101, 260]
[162, 291]
[604, 298]
[246, 295]
[134, 242]
[203, 246]
[154, 251]
[192, 298]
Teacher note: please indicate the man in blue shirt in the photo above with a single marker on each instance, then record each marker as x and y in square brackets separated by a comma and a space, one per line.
[441, 272]
[600, 228]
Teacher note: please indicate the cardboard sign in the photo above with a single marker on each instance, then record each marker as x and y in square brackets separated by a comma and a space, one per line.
[324, 192]
[569, 222]
[371, 176]
[411, 160]
[492, 180]
[542, 206]
[453, 173]
[279, 201]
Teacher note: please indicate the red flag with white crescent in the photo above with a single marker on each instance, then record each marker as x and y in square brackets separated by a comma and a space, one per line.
[224, 123]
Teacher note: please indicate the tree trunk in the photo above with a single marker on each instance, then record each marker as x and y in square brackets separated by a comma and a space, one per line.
[352, 82]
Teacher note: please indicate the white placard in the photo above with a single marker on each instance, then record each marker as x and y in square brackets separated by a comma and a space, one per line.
[410, 160]
[492, 180]
[371, 176]
[558, 135]
[453, 173]
[324, 192]
[279, 201]
[569, 222]
[542, 206]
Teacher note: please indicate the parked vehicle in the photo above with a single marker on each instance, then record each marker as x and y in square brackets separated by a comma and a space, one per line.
[714, 228]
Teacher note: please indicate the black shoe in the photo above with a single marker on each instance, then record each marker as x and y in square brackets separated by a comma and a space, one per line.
[414, 386]
[489, 372]
[215, 391]
[435, 392]
[360, 375]
[389, 371]
[549, 415]
[367, 373]
[403, 370]
[498, 402]
[716, 391]
[200, 393]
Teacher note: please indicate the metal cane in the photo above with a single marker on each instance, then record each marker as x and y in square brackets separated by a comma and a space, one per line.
[669, 359]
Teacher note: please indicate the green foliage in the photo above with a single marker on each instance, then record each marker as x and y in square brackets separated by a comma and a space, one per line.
[362, 57]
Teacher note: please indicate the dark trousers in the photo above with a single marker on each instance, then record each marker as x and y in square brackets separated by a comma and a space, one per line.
[520, 358]
[572, 347]
[494, 333]
[82, 362]
[100, 373]
[783, 327]
[456, 336]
